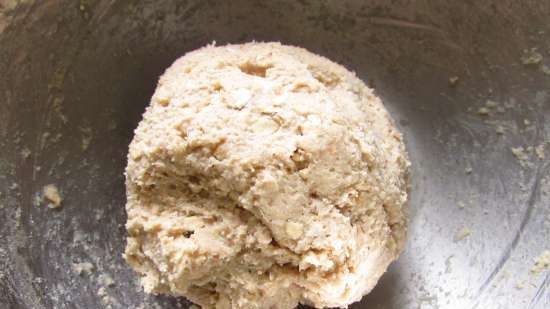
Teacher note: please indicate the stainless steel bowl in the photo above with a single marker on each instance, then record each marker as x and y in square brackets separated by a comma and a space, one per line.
[467, 81]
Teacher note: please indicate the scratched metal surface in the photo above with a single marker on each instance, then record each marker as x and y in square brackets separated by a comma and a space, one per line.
[73, 73]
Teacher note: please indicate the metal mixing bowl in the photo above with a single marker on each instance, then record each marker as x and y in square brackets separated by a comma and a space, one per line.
[75, 78]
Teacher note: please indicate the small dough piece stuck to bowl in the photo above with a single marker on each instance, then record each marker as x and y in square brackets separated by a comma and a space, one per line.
[263, 176]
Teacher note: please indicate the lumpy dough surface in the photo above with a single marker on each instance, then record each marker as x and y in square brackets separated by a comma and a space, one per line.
[263, 176]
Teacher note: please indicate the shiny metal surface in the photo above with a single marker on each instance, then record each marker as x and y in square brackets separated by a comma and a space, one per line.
[76, 76]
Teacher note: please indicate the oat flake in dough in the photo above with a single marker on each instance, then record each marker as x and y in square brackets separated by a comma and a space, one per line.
[263, 176]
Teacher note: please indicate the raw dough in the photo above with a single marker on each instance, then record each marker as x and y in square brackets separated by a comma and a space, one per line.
[50, 195]
[263, 176]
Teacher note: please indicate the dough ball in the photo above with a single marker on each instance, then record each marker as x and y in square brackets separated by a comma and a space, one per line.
[263, 176]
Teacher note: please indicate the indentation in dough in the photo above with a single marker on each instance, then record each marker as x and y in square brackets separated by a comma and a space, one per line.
[254, 69]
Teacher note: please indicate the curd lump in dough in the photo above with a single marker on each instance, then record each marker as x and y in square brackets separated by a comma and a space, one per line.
[263, 176]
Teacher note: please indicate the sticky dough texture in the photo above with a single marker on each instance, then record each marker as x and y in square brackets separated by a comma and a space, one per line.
[263, 176]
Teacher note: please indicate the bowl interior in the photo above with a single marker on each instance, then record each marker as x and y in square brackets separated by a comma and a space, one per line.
[468, 84]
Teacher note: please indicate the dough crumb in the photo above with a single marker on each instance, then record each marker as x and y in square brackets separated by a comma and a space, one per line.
[542, 263]
[531, 57]
[539, 151]
[99, 215]
[86, 138]
[26, 153]
[520, 285]
[491, 104]
[37, 199]
[44, 139]
[462, 234]
[106, 299]
[85, 268]
[51, 196]
[106, 280]
[453, 80]
[500, 130]
[102, 291]
[521, 155]
[483, 111]
[448, 264]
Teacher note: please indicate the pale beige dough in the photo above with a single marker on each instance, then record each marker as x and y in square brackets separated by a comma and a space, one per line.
[51, 196]
[263, 176]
